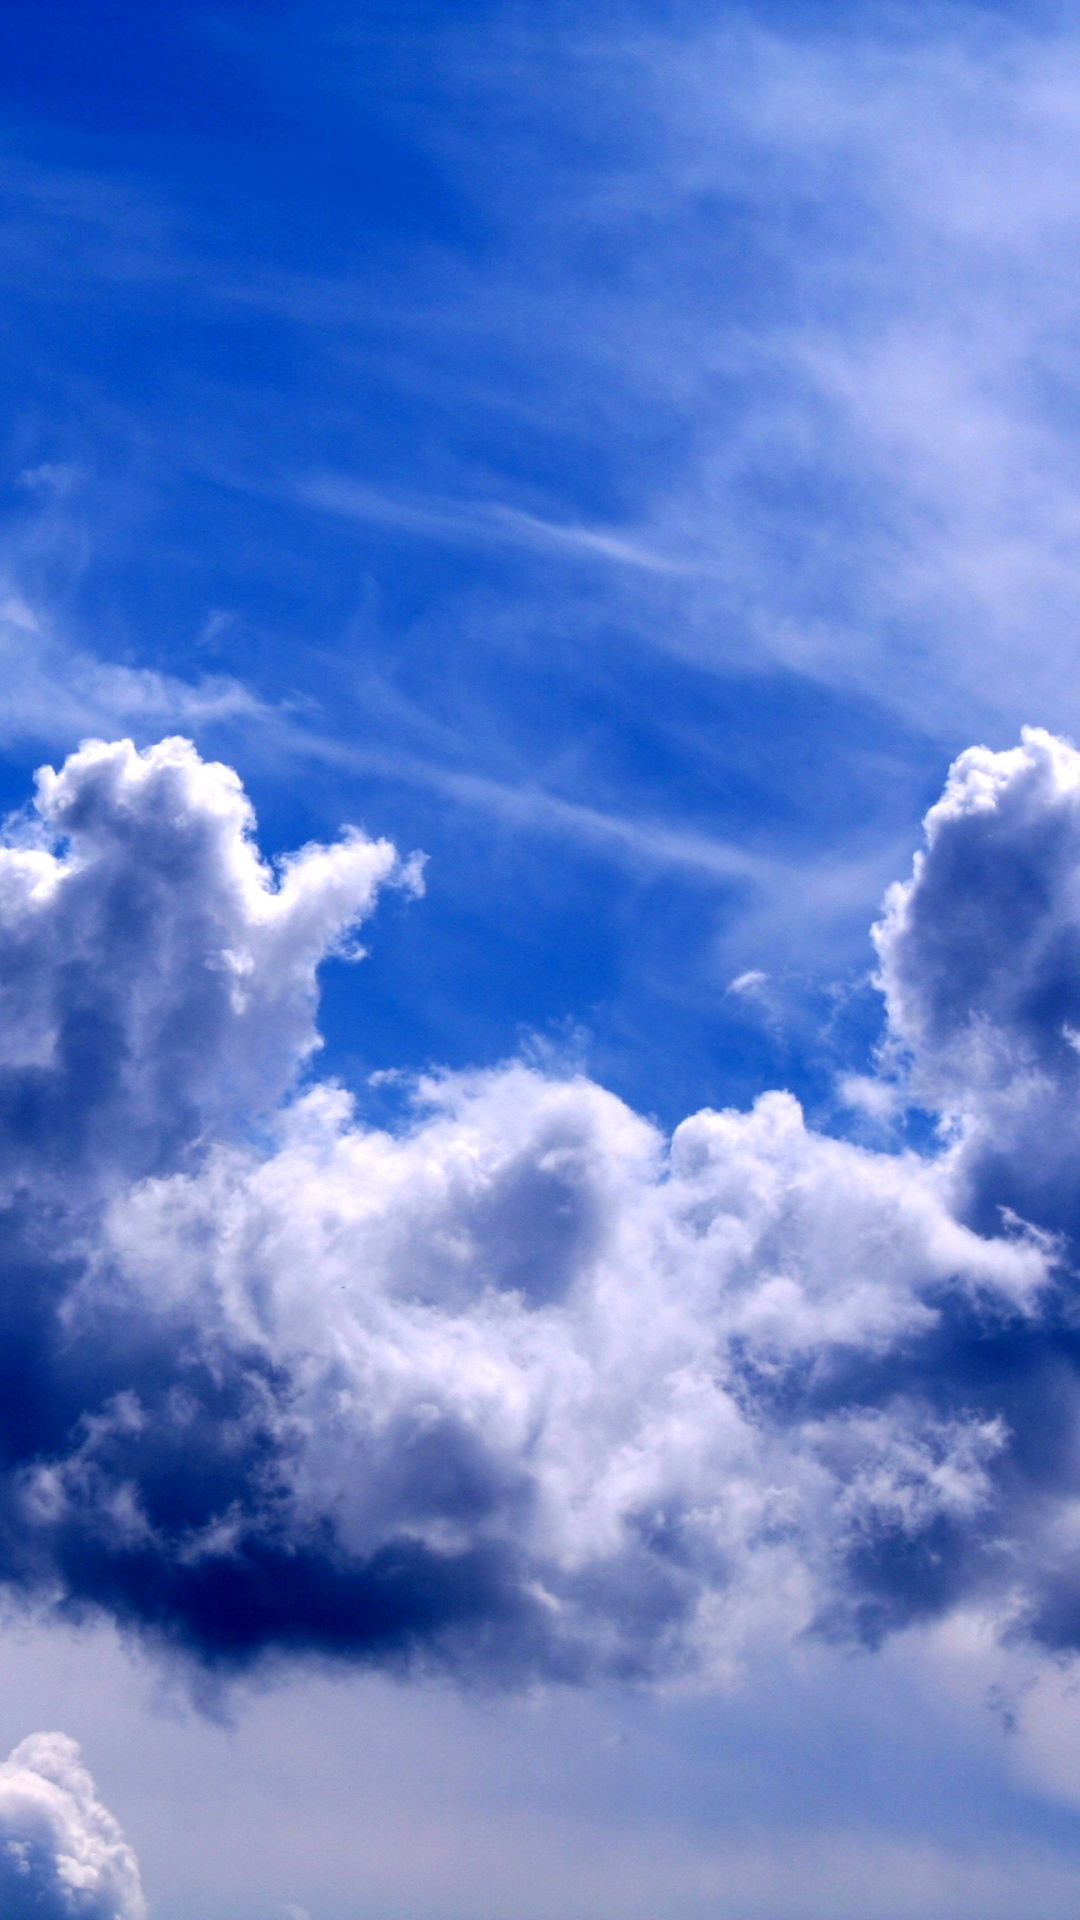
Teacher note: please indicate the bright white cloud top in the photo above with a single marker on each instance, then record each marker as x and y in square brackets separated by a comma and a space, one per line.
[525, 1388]
[62, 1855]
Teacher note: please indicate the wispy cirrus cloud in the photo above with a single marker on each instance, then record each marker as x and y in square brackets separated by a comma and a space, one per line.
[479, 521]
[823, 375]
[55, 692]
[890, 443]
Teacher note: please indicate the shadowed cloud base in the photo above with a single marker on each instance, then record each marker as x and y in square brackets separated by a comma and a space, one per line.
[524, 1388]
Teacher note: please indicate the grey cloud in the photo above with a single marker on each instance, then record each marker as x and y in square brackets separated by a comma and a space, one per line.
[62, 1854]
[525, 1387]
[980, 960]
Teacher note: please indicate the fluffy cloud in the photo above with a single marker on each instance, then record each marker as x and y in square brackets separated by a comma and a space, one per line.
[981, 968]
[156, 980]
[62, 1855]
[524, 1387]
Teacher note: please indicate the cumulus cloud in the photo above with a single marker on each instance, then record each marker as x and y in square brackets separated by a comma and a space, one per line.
[62, 1854]
[980, 960]
[156, 979]
[524, 1387]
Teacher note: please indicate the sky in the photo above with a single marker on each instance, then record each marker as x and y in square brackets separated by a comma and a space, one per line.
[539, 960]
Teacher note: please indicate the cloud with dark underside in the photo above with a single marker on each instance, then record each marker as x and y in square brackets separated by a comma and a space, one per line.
[62, 1854]
[524, 1388]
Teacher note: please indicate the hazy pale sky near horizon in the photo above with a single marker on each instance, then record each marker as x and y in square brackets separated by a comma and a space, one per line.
[572, 1406]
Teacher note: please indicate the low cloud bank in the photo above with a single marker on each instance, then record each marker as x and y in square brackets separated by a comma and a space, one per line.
[525, 1388]
[62, 1855]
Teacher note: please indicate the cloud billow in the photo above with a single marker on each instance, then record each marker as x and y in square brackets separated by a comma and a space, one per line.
[981, 967]
[524, 1388]
[62, 1854]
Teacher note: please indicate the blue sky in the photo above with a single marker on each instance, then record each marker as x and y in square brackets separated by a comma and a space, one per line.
[433, 373]
[625, 454]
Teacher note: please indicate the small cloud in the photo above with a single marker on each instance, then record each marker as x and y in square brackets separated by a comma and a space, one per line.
[14, 612]
[49, 477]
[751, 984]
[217, 622]
[879, 1100]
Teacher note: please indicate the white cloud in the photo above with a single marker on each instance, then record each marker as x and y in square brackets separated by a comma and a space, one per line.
[56, 693]
[525, 1383]
[62, 1854]
[980, 957]
[859, 305]
[751, 982]
[480, 522]
[157, 976]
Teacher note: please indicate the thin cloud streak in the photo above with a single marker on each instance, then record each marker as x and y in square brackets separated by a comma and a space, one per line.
[646, 844]
[907, 394]
[472, 521]
[56, 693]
